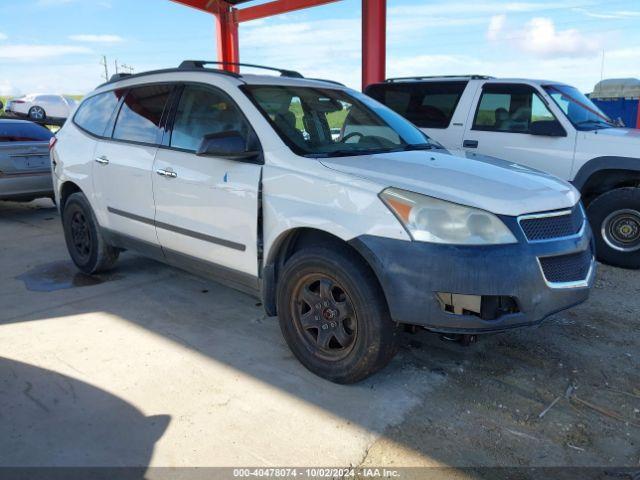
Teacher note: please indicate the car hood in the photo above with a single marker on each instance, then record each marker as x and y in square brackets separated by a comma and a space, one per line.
[609, 142]
[631, 134]
[489, 184]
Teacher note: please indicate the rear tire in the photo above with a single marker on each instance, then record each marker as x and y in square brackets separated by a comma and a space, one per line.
[333, 315]
[37, 114]
[615, 220]
[87, 247]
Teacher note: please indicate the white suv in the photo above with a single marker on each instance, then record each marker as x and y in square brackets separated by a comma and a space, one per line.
[344, 237]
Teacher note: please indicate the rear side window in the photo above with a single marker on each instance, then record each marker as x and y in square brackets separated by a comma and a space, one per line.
[141, 113]
[426, 104]
[203, 111]
[95, 112]
[23, 132]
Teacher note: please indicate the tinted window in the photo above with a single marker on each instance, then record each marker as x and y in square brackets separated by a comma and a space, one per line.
[510, 108]
[202, 111]
[23, 132]
[95, 112]
[428, 104]
[141, 112]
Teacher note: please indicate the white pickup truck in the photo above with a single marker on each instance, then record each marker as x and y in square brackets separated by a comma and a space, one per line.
[542, 124]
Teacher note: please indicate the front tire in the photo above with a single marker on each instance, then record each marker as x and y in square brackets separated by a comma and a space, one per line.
[87, 247]
[615, 220]
[333, 315]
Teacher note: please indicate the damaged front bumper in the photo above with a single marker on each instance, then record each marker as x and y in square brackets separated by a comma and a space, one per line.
[478, 289]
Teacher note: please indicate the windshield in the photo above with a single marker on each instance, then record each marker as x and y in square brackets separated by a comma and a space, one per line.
[580, 111]
[323, 122]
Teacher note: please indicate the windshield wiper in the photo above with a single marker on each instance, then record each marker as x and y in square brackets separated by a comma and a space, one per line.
[418, 146]
[594, 122]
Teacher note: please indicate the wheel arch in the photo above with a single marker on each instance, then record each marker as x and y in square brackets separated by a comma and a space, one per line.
[293, 240]
[67, 189]
[603, 174]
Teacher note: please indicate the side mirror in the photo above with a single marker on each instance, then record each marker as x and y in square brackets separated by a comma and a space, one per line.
[1, 105]
[230, 145]
[547, 128]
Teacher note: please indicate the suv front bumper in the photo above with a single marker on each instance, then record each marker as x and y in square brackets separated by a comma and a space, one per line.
[412, 273]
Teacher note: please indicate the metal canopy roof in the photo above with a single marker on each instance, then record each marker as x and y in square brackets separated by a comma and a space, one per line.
[228, 16]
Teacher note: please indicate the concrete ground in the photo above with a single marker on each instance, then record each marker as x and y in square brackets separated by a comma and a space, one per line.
[150, 366]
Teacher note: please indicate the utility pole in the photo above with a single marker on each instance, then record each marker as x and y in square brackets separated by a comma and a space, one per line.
[106, 69]
[115, 63]
[602, 66]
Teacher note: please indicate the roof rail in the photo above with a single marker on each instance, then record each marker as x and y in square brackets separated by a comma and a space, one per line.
[197, 64]
[327, 81]
[430, 77]
[123, 76]
[119, 76]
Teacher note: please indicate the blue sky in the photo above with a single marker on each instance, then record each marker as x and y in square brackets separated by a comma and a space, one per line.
[56, 45]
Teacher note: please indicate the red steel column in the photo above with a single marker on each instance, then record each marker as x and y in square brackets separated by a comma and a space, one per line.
[227, 36]
[374, 41]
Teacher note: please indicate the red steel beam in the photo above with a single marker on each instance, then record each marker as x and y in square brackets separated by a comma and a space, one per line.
[276, 7]
[209, 6]
[374, 41]
[227, 36]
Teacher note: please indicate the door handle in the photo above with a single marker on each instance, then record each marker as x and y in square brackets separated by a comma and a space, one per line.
[166, 173]
[102, 160]
[470, 144]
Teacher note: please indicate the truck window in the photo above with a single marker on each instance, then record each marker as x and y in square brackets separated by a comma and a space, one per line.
[510, 108]
[426, 104]
[202, 111]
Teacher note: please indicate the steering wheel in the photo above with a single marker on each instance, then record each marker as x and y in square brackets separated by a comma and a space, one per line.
[351, 135]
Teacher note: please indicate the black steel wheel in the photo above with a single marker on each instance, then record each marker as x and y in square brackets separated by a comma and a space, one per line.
[333, 314]
[615, 220]
[85, 243]
[81, 235]
[324, 315]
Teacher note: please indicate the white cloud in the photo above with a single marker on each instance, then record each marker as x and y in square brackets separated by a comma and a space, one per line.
[469, 8]
[88, 38]
[53, 3]
[541, 38]
[496, 25]
[37, 52]
[609, 15]
[3, 36]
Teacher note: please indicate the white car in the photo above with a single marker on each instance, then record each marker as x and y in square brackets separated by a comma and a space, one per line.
[545, 125]
[42, 107]
[344, 239]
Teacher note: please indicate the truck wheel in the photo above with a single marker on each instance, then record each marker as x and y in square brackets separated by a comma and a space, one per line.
[88, 249]
[615, 219]
[334, 316]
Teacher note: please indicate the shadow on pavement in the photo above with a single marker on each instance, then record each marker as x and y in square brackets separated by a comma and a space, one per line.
[51, 420]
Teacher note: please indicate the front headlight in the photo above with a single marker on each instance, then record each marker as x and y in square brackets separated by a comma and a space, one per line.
[428, 219]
